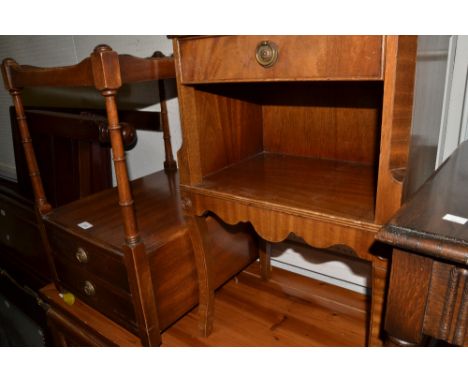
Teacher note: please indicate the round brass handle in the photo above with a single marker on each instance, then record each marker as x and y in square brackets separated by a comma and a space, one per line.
[89, 288]
[81, 255]
[266, 53]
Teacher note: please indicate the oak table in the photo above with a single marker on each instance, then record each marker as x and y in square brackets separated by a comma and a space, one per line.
[428, 291]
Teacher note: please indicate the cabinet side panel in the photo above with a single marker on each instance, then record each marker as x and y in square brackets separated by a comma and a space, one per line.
[338, 121]
[229, 130]
[403, 104]
[233, 58]
[400, 62]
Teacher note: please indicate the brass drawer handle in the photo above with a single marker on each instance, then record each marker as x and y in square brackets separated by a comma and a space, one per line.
[81, 255]
[266, 53]
[89, 289]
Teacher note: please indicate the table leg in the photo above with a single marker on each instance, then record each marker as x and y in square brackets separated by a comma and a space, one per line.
[265, 260]
[201, 248]
[379, 283]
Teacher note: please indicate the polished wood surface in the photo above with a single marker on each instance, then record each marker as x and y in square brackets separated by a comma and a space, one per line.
[338, 120]
[72, 161]
[102, 211]
[400, 58]
[232, 58]
[419, 225]
[428, 293]
[288, 310]
[327, 188]
[80, 325]
[82, 73]
[315, 145]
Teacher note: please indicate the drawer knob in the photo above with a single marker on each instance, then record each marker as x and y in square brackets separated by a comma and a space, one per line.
[81, 255]
[89, 288]
[266, 53]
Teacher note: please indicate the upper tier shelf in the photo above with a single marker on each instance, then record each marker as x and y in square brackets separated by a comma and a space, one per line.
[316, 188]
[157, 206]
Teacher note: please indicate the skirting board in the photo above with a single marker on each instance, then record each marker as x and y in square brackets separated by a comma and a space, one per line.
[334, 269]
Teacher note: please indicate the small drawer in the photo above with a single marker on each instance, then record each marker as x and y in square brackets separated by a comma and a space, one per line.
[280, 58]
[18, 229]
[105, 264]
[97, 293]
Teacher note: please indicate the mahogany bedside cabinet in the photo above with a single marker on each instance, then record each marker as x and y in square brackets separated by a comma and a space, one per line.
[126, 251]
[428, 291]
[304, 135]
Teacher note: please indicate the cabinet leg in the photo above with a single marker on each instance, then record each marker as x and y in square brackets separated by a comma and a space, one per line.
[379, 284]
[265, 261]
[199, 236]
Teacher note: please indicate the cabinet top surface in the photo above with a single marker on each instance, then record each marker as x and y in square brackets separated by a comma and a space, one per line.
[435, 220]
[157, 207]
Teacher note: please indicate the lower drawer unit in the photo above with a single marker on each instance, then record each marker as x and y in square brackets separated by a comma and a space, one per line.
[101, 281]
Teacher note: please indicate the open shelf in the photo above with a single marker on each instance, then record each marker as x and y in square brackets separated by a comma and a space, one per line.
[307, 186]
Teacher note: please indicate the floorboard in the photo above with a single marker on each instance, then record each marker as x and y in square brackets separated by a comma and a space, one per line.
[287, 310]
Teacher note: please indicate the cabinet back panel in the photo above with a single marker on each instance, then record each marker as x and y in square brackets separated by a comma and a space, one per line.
[230, 129]
[338, 121]
[330, 120]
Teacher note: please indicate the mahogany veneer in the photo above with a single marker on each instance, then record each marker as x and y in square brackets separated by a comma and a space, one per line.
[295, 134]
[133, 262]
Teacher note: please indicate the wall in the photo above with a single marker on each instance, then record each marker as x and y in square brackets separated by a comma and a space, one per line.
[148, 155]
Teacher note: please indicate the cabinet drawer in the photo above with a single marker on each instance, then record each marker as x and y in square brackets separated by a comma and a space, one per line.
[102, 263]
[97, 293]
[233, 58]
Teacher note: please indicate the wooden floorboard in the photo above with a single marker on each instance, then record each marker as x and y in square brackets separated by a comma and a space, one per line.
[288, 310]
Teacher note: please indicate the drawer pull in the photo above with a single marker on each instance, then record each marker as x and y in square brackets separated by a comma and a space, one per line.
[266, 53]
[81, 255]
[89, 289]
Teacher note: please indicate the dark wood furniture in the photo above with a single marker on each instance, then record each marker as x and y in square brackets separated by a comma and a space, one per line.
[73, 155]
[428, 291]
[295, 134]
[80, 325]
[128, 256]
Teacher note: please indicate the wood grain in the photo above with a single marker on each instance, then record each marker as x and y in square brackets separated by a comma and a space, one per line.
[419, 225]
[232, 58]
[320, 187]
[400, 59]
[409, 281]
[289, 310]
[330, 164]
[82, 322]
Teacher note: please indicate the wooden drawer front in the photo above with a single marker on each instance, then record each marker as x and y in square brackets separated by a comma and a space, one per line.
[107, 299]
[232, 58]
[103, 264]
[18, 229]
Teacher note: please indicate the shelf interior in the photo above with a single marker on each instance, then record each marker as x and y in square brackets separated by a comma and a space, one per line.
[307, 185]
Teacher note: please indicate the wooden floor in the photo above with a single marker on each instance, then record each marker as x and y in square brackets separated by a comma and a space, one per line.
[288, 310]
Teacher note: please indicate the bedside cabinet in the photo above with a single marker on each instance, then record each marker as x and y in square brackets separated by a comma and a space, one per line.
[304, 135]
